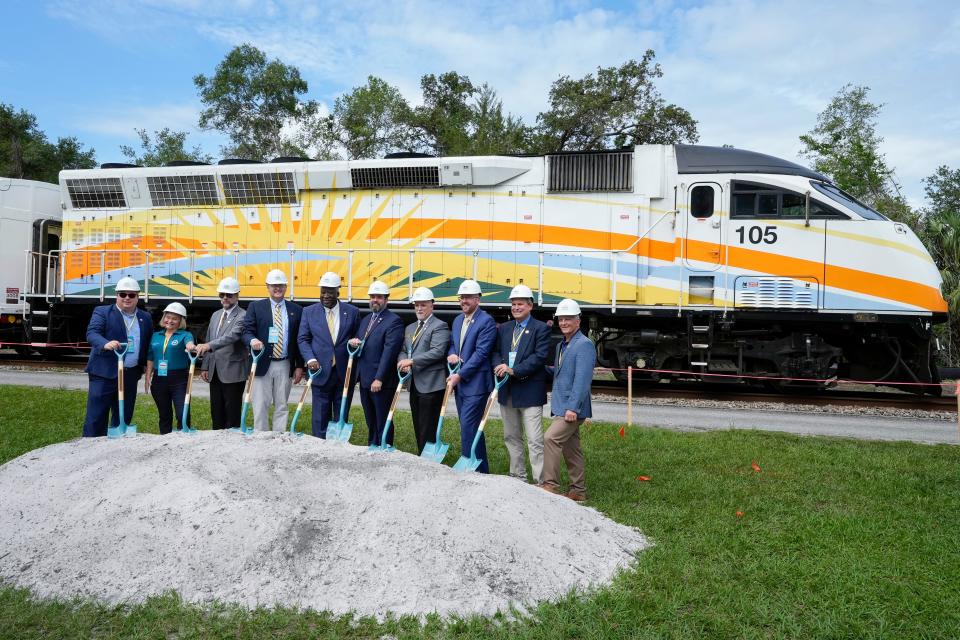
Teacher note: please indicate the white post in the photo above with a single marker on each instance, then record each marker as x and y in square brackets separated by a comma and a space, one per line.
[630, 396]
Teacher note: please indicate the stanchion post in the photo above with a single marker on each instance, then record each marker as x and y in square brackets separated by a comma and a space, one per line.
[630, 396]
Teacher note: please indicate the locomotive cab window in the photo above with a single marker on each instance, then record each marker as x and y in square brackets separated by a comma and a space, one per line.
[701, 202]
[753, 200]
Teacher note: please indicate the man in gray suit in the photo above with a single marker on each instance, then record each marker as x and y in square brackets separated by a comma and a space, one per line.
[227, 364]
[425, 344]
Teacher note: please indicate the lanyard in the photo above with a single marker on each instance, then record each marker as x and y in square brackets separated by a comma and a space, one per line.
[516, 337]
[563, 346]
[416, 334]
[166, 340]
[370, 324]
[130, 325]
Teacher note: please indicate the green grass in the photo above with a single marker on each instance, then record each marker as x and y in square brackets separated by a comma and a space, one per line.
[838, 539]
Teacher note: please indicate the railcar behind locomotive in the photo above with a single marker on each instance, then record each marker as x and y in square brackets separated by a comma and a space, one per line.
[684, 258]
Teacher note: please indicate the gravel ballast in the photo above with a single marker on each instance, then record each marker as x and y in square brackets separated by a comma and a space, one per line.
[271, 519]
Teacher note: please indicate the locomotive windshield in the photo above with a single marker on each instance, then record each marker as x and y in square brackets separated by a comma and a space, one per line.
[844, 198]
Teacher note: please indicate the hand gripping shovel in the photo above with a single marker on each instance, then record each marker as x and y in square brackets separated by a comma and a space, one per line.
[342, 429]
[383, 446]
[254, 357]
[184, 424]
[471, 463]
[122, 429]
[437, 450]
[303, 396]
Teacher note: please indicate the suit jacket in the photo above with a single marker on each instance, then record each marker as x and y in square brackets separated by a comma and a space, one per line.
[228, 357]
[528, 385]
[573, 377]
[106, 324]
[429, 354]
[378, 357]
[257, 323]
[316, 344]
[476, 372]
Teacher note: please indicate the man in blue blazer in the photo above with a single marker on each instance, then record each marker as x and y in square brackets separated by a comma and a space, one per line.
[472, 341]
[381, 334]
[112, 326]
[272, 324]
[326, 328]
[522, 348]
[569, 403]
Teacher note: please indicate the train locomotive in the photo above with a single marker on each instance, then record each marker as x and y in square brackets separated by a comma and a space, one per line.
[688, 260]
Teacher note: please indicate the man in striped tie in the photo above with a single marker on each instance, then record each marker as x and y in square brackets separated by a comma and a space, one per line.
[272, 324]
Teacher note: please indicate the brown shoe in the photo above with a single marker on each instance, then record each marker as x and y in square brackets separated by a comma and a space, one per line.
[576, 496]
[549, 489]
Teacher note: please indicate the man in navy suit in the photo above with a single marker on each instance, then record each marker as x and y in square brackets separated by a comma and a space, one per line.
[272, 324]
[381, 334]
[112, 326]
[472, 341]
[326, 328]
[522, 348]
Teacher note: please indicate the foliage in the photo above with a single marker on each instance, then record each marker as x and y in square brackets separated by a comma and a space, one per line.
[837, 539]
[941, 234]
[619, 106]
[255, 102]
[166, 146]
[26, 153]
[845, 146]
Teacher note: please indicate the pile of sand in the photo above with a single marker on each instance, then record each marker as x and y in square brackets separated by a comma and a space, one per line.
[272, 519]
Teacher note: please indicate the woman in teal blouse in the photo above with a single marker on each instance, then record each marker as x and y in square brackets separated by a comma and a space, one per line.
[168, 365]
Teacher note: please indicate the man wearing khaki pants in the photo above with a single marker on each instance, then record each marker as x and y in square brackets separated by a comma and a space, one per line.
[522, 348]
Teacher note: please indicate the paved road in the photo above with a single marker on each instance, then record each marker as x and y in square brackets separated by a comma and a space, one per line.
[680, 418]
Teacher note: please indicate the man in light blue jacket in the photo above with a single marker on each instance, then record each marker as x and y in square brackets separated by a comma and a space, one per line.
[569, 403]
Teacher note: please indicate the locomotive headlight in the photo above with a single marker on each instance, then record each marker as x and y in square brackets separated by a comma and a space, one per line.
[641, 363]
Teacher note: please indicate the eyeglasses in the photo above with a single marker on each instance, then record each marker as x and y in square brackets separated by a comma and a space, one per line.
[127, 294]
[227, 295]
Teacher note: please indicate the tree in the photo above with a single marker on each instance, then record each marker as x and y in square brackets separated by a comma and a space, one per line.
[166, 146]
[619, 106]
[846, 147]
[941, 235]
[444, 119]
[494, 133]
[255, 102]
[26, 153]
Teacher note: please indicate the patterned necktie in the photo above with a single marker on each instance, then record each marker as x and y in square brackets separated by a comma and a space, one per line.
[278, 323]
[333, 337]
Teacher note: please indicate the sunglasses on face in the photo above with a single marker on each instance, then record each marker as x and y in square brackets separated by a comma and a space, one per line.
[127, 294]
[227, 295]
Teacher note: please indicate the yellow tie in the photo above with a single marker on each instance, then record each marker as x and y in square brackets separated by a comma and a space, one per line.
[333, 338]
[278, 323]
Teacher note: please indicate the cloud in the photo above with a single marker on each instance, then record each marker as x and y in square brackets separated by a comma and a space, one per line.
[121, 120]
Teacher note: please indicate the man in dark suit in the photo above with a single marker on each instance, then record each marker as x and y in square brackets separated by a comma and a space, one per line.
[425, 347]
[473, 338]
[273, 324]
[112, 326]
[381, 335]
[326, 328]
[522, 348]
[227, 363]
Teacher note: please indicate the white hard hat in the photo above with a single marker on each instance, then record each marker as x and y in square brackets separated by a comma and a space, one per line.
[521, 291]
[229, 285]
[127, 283]
[177, 308]
[567, 307]
[469, 288]
[421, 294]
[329, 279]
[379, 288]
[276, 276]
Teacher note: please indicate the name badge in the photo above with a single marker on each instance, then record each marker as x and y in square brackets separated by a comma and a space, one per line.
[162, 368]
[511, 358]
[131, 344]
[273, 336]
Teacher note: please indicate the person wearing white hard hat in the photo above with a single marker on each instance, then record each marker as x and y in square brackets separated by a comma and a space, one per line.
[572, 374]
[272, 324]
[326, 328]
[113, 325]
[523, 345]
[168, 366]
[380, 333]
[424, 354]
[226, 363]
[473, 338]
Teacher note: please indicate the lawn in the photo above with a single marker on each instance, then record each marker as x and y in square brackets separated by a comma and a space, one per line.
[831, 538]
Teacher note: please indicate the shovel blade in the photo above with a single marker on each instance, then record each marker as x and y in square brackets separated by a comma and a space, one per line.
[435, 451]
[115, 432]
[467, 464]
[130, 430]
[339, 431]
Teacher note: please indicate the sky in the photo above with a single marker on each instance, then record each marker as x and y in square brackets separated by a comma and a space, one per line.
[753, 74]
